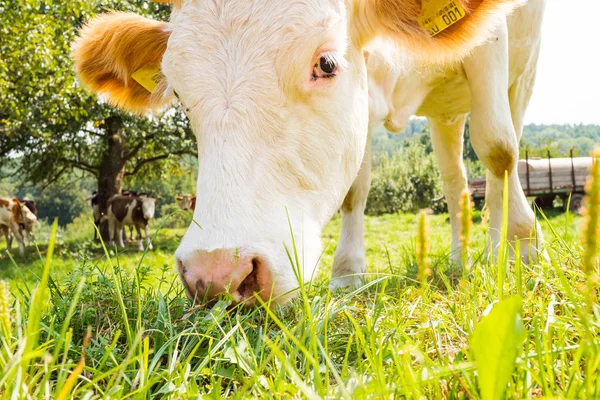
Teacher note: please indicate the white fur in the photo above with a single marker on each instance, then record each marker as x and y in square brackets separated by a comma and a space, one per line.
[269, 143]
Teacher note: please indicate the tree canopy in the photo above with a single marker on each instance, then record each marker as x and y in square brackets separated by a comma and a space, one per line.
[49, 125]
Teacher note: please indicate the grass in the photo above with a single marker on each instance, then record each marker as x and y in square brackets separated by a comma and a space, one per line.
[89, 324]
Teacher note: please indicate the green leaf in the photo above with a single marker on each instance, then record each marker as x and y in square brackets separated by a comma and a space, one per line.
[495, 345]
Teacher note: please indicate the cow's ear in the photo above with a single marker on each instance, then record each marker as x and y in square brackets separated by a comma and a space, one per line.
[433, 31]
[179, 198]
[114, 48]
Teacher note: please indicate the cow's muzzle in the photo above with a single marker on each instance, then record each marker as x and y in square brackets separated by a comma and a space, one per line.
[207, 275]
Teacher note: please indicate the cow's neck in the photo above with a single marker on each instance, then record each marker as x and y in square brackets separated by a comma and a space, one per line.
[137, 213]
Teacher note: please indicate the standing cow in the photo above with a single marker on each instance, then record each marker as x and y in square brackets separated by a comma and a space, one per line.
[495, 84]
[97, 215]
[187, 202]
[277, 95]
[32, 206]
[15, 220]
[130, 211]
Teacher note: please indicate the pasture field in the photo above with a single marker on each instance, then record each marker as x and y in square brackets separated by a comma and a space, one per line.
[96, 324]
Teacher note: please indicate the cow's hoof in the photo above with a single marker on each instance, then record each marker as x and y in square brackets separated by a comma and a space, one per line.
[532, 253]
[150, 247]
[350, 282]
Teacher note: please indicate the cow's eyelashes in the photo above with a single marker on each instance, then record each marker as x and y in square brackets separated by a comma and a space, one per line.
[326, 67]
[186, 109]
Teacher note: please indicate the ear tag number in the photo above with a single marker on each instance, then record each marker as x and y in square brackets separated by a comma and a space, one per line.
[437, 15]
[148, 77]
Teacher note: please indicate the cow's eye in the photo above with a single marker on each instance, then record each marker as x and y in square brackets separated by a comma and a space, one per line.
[325, 67]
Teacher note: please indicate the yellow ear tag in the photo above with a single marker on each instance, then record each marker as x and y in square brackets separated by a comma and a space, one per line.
[148, 77]
[437, 15]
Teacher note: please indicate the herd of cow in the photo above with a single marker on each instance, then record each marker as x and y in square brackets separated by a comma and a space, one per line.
[19, 216]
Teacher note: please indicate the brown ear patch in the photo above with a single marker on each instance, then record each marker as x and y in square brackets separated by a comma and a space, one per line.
[398, 20]
[110, 48]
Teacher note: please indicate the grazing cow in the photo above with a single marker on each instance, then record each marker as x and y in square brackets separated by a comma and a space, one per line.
[32, 206]
[15, 220]
[277, 95]
[495, 84]
[127, 192]
[97, 215]
[130, 211]
[187, 202]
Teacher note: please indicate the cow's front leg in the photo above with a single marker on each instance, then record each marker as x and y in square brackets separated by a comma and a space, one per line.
[495, 141]
[148, 239]
[349, 260]
[8, 236]
[140, 242]
[112, 230]
[447, 140]
[17, 233]
[120, 233]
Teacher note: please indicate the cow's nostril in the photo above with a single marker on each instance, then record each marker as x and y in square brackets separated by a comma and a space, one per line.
[250, 284]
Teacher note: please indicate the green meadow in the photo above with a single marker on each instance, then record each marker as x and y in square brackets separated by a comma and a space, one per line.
[81, 321]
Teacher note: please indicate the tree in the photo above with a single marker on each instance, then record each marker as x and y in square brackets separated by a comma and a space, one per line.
[50, 126]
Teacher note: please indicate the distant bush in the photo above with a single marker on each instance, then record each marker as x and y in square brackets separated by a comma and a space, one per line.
[406, 181]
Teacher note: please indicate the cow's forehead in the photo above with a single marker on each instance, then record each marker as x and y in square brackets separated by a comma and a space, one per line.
[264, 22]
[226, 57]
[245, 11]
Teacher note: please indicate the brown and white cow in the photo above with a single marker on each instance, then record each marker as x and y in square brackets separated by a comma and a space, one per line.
[134, 211]
[97, 215]
[15, 220]
[277, 94]
[187, 202]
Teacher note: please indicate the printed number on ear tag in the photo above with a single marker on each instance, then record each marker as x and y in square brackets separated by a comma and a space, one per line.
[437, 15]
[148, 77]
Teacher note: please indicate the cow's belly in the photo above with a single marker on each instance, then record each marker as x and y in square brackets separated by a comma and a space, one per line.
[5, 216]
[128, 220]
[449, 96]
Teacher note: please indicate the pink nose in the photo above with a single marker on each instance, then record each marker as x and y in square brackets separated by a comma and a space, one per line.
[207, 275]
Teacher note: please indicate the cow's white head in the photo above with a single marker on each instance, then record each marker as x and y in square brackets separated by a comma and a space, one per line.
[148, 207]
[185, 201]
[276, 93]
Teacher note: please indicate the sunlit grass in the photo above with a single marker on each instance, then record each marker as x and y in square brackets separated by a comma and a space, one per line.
[386, 339]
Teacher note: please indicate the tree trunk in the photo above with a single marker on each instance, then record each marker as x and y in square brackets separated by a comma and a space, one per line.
[112, 169]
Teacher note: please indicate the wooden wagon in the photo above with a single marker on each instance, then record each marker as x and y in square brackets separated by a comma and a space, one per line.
[544, 179]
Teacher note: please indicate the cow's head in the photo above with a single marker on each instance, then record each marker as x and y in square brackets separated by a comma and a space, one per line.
[148, 206]
[185, 201]
[276, 93]
[25, 216]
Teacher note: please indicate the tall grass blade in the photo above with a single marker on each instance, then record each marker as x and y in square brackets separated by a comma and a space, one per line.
[503, 248]
[495, 345]
[422, 241]
[466, 225]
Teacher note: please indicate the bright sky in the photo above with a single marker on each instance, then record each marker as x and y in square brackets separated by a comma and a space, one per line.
[567, 88]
